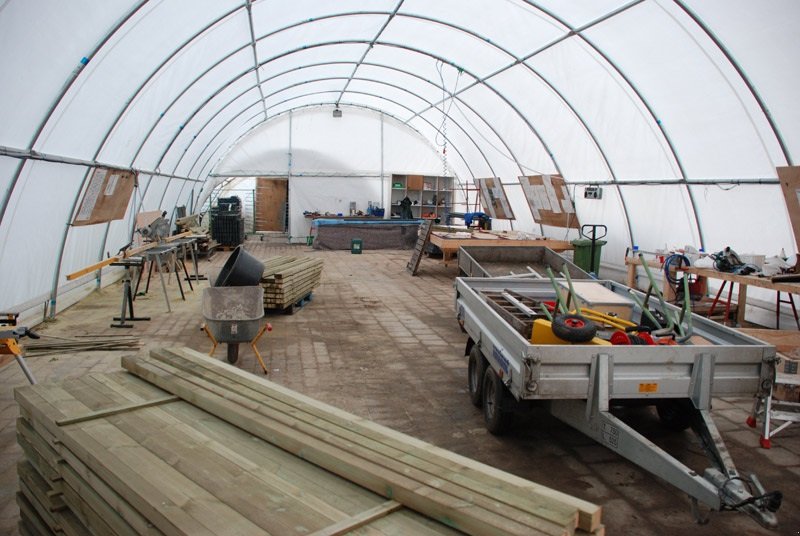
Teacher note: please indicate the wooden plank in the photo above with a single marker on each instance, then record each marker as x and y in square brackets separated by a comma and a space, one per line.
[129, 253]
[351, 429]
[239, 411]
[373, 453]
[100, 414]
[146, 482]
[589, 514]
[358, 521]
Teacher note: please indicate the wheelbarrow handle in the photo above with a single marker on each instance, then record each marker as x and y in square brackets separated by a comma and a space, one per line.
[594, 228]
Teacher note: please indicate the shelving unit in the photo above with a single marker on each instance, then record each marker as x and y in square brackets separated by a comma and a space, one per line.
[431, 196]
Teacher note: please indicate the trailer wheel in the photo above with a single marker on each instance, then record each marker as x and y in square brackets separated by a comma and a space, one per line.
[475, 372]
[574, 328]
[233, 352]
[675, 414]
[496, 418]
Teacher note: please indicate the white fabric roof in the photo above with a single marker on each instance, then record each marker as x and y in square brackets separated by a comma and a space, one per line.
[672, 105]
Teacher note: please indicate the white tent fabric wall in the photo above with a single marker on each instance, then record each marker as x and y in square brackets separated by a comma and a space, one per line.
[655, 100]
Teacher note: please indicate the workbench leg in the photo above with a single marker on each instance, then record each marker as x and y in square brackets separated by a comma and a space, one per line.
[630, 280]
[741, 304]
[163, 283]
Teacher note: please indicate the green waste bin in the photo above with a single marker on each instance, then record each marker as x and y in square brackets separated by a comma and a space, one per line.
[355, 246]
[582, 254]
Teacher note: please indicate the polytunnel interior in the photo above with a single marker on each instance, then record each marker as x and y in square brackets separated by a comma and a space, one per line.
[673, 124]
[679, 111]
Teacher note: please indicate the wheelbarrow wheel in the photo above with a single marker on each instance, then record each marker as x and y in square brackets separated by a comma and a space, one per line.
[574, 328]
[233, 352]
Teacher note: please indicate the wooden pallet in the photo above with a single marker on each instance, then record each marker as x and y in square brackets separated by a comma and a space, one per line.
[422, 239]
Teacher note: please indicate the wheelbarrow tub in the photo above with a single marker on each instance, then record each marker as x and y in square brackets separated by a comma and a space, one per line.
[233, 314]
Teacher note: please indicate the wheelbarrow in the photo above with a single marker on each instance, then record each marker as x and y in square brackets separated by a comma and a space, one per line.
[233, 315]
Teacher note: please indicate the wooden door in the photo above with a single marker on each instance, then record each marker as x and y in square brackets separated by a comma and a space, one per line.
[272, 196]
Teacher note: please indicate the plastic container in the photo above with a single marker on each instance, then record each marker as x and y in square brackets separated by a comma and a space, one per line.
[355, 246]
[240, 270]
[582, 255]
[233, 314]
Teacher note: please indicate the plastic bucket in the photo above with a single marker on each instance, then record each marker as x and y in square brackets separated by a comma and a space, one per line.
[240, 270]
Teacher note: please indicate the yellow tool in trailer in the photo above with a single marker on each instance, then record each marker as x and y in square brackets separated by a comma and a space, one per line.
[542, 333]
[608, 320]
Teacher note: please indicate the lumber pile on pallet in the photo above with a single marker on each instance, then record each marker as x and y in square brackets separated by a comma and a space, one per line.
[288, 280]
[219, 451]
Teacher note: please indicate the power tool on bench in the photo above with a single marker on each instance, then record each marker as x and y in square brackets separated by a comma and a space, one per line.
[9, 342]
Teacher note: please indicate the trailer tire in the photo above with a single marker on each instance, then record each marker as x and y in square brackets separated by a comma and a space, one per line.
[495, 415]
[574, 328]
[675, 414]
[233, 352]
[475, 372]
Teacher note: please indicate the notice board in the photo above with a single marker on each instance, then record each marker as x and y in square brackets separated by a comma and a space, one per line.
[106, 197]
[789, 177]
[549, 200]
[493, 198]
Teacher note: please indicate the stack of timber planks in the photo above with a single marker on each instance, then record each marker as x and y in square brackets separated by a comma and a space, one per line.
[288, 280]
[219, 451]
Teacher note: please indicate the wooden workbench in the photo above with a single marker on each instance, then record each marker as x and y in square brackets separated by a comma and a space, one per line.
[450, 245]
[744, 281]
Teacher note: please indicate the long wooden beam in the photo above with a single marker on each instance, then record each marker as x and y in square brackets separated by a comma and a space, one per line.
[129, 253]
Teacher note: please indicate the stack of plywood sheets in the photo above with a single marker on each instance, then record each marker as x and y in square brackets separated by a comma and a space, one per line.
[219, 451]
[288, 280]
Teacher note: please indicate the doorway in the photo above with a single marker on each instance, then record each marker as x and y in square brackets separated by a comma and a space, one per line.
[271, 204]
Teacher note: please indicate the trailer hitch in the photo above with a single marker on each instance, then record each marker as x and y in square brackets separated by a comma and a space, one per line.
[747, 496]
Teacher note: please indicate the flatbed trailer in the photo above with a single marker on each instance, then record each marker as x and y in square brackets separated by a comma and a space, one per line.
[580, 383]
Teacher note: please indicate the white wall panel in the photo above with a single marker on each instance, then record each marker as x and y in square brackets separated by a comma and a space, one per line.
[513, 25]
[107, 82]
[763, 40]
[198, 132]
[699, 108]
[421, 65]
[271, 16]
[661, 215]
[357, 27]
[156, 108]
[450, 45]
[762, 227]
[624, 130]
[577, 156]
[46, 41]
[32, 229]
[579, 12]
[281, 61]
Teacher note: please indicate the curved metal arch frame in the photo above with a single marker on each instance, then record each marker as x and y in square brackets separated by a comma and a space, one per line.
[488, 163]
[298, 84]
[502, 97]
[330, 104]
[244, 73]
[458, 28]
[738, 68]
[578, 33]
[362, 106]
[705, 29]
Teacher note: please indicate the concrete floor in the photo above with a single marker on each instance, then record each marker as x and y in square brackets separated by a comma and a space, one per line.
[378, 343]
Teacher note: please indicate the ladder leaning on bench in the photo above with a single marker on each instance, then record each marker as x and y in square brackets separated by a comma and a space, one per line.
[422, 239]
